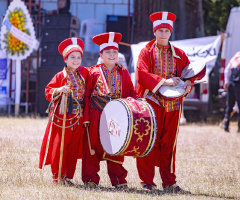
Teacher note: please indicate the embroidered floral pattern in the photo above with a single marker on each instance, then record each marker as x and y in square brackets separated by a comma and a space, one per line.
[134, 150]
[141, 128]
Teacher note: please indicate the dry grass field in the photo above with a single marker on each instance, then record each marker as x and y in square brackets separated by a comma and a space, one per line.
[208, 164]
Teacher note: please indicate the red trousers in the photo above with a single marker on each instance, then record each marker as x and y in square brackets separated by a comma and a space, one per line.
[71, 151]
[163, 153]
[91, 163]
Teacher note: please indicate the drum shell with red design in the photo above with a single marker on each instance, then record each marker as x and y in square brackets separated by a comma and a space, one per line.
[128, 127]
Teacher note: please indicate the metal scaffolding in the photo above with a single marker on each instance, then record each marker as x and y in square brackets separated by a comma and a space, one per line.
[30, 67]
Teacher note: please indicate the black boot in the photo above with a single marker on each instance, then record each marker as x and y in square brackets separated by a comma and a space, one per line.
[226, 125]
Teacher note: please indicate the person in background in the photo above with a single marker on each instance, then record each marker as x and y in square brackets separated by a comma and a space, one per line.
[107, 81]
[159, 64]
[68, 83]
[232, 85]
[63, 7]
[235, 110]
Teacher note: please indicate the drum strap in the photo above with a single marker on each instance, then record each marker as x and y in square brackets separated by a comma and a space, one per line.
[116, 159]
[104, 80]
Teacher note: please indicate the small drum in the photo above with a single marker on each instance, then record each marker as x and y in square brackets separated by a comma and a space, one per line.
[172, 92]
[128, 128]
[196, 69]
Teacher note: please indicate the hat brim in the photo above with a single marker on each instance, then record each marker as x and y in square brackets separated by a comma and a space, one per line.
[109, 47]
[163, 25]
[72, 50]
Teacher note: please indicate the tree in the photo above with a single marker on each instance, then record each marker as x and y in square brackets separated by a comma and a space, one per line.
[199, 14]
[216, 18]
[182, 19]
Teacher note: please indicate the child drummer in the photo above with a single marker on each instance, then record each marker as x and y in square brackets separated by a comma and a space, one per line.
[107, 81]
[69, 83]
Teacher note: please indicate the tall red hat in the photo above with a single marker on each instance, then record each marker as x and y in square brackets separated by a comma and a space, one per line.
[162, 20]
[107, 40]
[70, 45]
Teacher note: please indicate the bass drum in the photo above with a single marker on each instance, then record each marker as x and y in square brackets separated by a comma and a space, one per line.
[128, 127]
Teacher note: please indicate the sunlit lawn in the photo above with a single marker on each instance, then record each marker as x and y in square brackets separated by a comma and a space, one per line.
[208, 165]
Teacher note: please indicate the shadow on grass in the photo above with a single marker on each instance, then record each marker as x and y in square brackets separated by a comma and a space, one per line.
[155, 192]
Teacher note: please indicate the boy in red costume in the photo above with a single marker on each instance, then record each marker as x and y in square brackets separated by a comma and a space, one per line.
[70, 82]
[105, 82]
[160, 63]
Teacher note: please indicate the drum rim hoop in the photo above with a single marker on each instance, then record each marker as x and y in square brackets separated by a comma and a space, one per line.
[130, 128]
[153, 132]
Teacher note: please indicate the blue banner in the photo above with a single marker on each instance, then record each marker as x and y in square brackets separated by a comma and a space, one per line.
[3, 90]
[3, 69]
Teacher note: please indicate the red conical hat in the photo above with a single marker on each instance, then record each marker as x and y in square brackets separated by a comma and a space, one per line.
[70, 45]
[107, 40]
[162, 20]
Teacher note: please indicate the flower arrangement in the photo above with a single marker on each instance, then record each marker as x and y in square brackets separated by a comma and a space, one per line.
[13, 45]
[17, 32]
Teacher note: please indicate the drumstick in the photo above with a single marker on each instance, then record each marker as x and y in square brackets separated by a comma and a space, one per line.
[185, 73]
[62, 140]
[126, 44]
[92, 152]
[190, 85]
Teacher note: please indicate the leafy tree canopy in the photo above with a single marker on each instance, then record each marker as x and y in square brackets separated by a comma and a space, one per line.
[216, 17]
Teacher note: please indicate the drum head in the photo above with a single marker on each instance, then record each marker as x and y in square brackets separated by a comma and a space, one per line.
[113, 127]
[196, 67]
[172, 91]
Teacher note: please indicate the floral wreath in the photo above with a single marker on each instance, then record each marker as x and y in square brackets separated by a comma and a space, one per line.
[17, 15]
